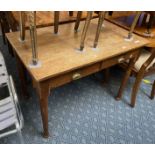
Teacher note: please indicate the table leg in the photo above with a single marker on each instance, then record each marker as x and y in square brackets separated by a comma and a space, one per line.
[44, 91]
[106, 73]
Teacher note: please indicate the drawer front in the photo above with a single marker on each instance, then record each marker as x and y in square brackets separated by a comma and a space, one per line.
[119, 59]
[74, 75]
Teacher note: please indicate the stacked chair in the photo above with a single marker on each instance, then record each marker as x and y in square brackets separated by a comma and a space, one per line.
[11, 119]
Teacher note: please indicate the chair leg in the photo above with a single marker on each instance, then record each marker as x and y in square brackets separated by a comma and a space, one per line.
[134, 24]
[79, 15]
[85, 29]
[150, 23]
[33, 36]
[71, 13]
[100, 22]
[4, 24]
[110, 13]
[56, 21]
[136, 87]
[22, 26]
[153, 91]
[125, 78]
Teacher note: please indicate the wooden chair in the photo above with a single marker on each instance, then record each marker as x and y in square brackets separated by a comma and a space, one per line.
[150, 23]
[86, 26]
[22, 23]
[153, 91]
[7, 23]
[125, 19]
[144, 64]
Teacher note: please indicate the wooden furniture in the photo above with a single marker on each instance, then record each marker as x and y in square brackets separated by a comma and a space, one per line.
[144, 65]
[62, 63]
[23, 16]
[144, 27]
[7, 23]
[86, 27]
[153, 91]
[10, 20]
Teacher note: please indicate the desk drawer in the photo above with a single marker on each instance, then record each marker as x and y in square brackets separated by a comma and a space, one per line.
[119, 59]
[74, 75]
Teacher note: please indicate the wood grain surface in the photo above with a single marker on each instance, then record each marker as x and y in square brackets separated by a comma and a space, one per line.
[59, 53]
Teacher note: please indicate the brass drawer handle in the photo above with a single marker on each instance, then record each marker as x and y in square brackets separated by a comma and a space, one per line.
[76, 76]
[121, 60]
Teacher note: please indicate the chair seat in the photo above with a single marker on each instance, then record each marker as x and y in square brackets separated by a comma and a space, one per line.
[142, 59]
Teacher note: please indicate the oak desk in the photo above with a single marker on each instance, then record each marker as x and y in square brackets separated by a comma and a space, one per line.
[61, 60]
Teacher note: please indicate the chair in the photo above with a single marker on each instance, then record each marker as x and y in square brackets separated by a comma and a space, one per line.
[150, 23]
[11, 119]
[141, 66]
[7, 23]
[153, 91]
[125, 19]
[86, 26]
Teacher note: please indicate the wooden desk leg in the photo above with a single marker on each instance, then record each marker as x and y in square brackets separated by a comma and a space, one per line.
[106, 75]
[22, 76]
[43, 91]
[78, 18]
[153, 91]
[56, 21]
[126, 77]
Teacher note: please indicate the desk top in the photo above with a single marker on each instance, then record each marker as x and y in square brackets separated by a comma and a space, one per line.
[59, 53]
[125, 20]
